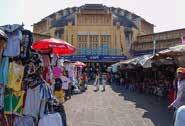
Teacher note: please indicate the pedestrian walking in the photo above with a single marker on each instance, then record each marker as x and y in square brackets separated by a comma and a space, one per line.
[180, 99]
[66, 86]
[97, 81]
[104, 80]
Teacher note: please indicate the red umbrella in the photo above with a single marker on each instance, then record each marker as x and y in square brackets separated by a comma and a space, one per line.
[55, 46]
[79, 64]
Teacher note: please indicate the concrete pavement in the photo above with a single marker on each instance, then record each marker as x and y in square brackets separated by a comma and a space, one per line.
[115, 107]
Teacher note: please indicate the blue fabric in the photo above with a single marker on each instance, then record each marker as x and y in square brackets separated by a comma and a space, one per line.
[14, 38]
[4, 70]
[13, 44]
[11, 28]
[180, 116]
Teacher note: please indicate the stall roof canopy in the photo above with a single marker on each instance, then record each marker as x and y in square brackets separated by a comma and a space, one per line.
[144, 61]
[172, 52]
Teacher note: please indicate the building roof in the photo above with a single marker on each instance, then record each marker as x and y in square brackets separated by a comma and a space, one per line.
[64, 20]
[123, 20]
[119, 15]
[93, 7]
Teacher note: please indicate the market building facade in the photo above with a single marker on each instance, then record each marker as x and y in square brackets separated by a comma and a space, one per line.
[105, 34]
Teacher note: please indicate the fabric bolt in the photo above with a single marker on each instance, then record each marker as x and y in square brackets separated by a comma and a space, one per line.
[15, 75]
[57, 72]
[13, 101]
[24, 121]
[180, 99]
[51, 120]
[13, 44]
[4, 70]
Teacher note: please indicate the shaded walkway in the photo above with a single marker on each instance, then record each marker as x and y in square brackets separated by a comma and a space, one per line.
[115, 108]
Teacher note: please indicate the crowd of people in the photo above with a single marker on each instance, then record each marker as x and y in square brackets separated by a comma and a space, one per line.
[162, 88]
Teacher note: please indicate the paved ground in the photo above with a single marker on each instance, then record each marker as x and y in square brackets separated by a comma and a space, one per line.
[115, 107]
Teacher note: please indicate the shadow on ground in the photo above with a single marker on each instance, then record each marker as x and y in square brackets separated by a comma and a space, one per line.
[156, 110]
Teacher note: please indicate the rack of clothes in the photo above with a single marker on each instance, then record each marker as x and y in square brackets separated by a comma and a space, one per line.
[25, 93]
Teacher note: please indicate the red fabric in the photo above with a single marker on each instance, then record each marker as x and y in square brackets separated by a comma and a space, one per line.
[55, 46]
[171, 95]
[45, 72]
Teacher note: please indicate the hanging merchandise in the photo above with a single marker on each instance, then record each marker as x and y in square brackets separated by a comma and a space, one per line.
[14, 38]
[37, 92]
[15, 75]
[2, 47]
[26, 43]
[4, 70]
[13, 101]
[57, 71]
[2, 89]
[24, 121]
[51, 120]
[45, 60]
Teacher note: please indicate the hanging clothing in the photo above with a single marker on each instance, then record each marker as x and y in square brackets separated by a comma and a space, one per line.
[4, 70]
[51, 120]
[34, 99]
[14, 38]
[24, 121]
[15, 75]
[3, 121]
[2, 89]
[57, 72]
[45, 60]
[13, 44]
[13, 101]
[2, 46]
[26, 43]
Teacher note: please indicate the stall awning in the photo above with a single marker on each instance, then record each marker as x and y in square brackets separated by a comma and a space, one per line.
[144, 61]
[172, 52]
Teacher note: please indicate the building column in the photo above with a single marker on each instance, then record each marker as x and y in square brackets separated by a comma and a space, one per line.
[99, 40]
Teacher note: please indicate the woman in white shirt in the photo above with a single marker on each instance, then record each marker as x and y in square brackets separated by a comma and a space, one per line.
[66, 86]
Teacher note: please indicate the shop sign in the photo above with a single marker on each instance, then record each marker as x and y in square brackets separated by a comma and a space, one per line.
[95, 58]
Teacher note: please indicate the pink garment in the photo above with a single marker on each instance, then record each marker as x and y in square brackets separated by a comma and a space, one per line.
[57, 72]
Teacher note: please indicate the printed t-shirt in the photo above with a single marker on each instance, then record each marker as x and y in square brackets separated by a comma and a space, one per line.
[15, 75]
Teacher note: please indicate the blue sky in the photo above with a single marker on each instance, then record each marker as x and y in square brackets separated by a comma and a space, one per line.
[164, 14]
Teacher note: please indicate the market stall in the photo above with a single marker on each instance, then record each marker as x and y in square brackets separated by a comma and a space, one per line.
[27, 79]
